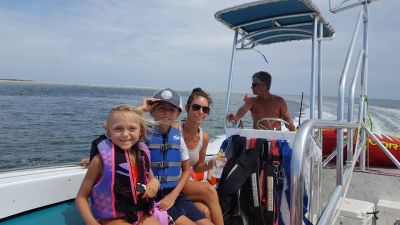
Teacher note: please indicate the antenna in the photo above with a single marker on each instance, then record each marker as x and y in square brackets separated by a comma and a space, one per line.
[301, 106]
[347, 4]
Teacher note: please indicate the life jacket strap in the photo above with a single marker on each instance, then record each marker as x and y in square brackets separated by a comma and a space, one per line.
[167, 178]
[275, 158]
[163, 147]
[274, 178]
[165, 164]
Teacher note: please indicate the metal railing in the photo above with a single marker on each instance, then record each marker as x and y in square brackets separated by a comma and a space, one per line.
[300, 151]
[301, 143]
[306, 131]
[347, 4]
[383, 148]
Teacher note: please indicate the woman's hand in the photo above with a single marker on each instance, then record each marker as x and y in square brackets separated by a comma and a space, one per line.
[209, 164]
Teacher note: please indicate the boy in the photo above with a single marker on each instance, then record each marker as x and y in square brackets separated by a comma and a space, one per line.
[170, 163]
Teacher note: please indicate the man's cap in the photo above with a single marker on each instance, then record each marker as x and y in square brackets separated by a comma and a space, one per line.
[170, 96]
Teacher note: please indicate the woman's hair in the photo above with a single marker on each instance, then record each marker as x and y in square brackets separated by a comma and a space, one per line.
[136, 112]
[198, 92]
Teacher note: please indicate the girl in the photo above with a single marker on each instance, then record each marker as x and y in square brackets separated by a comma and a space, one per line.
[119, 179]
[195, 142]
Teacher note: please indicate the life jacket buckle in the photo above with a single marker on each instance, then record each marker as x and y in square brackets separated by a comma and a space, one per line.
[163, 179]
[276, 163]
[163, 147]
[279, 175]
[160, 164]
[276, 169]
[278, 172]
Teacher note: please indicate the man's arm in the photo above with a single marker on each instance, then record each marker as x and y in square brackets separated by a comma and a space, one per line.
[286, 116]
[241, 112]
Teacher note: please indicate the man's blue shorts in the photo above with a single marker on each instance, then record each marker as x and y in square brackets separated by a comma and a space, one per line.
[183, 207]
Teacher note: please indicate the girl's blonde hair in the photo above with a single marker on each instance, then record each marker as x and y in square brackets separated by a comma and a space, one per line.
[136, 112]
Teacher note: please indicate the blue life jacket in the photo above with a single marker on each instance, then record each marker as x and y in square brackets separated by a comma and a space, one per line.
[166, 158]
[286, 152]
[114, 195]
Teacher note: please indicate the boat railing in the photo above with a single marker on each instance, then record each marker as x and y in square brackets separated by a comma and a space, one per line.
[341, 92]
[346, 4]
[350, 109]
[361, 68]
[383, 148]
[306, 131]
[300, 151]
[372, 136]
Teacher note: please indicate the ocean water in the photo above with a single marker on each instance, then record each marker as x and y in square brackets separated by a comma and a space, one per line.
[48, 124]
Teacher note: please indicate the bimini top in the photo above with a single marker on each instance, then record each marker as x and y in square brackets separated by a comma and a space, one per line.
[272, 21]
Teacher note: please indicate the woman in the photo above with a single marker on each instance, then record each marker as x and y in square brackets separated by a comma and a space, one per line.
[196, 141]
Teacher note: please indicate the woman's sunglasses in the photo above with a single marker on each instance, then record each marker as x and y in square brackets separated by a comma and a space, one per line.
[197, 107]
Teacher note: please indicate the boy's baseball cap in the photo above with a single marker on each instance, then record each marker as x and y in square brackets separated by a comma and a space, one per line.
[170, 96]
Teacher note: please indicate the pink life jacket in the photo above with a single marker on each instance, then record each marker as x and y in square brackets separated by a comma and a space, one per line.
[114, 195]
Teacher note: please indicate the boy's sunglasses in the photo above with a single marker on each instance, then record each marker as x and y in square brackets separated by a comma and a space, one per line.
[197, 107]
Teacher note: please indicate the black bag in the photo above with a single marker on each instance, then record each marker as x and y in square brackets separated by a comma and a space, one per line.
[238, 187]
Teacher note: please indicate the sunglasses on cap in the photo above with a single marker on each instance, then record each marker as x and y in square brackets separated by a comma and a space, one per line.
[197, 107]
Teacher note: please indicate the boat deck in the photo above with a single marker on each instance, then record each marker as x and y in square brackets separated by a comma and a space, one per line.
[375, 170]
[384, 171]
[61, 214]
[371, 185]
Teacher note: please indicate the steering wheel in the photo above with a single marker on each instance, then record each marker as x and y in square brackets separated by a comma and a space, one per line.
[268, 119]
[238, 124]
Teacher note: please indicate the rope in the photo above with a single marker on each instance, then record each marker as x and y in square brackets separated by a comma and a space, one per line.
[368, 113]
[265, 58]
[371, 122]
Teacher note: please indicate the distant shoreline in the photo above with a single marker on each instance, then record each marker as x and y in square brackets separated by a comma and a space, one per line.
[80, 84]
[3, 80]
[16, 80]
[76, 84]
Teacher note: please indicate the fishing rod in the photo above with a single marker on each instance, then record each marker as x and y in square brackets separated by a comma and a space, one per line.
[301, 106]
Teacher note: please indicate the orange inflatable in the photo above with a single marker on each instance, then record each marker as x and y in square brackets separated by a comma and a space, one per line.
[375, 155]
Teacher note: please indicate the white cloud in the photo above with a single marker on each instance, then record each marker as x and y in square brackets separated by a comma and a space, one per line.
[176, 43]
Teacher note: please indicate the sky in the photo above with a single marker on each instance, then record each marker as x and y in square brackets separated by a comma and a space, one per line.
[179, 44]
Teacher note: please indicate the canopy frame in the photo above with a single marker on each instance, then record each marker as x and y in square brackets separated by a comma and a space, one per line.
[274, 21]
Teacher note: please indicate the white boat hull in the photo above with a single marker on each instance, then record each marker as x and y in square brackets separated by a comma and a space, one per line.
[25, 190]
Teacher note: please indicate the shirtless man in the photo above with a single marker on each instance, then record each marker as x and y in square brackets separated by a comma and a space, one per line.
[264, 105]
